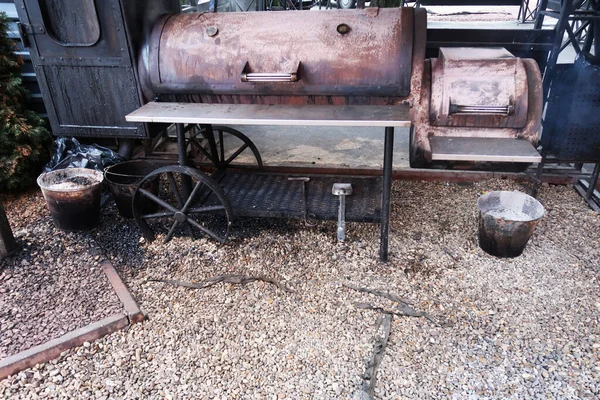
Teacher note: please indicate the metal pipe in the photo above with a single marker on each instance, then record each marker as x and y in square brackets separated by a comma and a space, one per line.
[386, 194]
[126, 148]
[186, 181]
[341, 230]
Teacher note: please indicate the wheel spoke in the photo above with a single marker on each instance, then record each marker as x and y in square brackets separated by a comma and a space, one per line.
[203, 150]
[157, 200]
[207, 231]
[221, 146]
[237, 153]
[205, 209]
[190, 199]
[171, 231]
[157, 215]
[174, 189]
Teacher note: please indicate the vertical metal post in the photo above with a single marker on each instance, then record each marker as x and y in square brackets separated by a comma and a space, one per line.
[538, 174]
[592, 182]
[539, 18]
[7, 240]
[341, 230]
[386, 194]
[560, 28]
[186, 183]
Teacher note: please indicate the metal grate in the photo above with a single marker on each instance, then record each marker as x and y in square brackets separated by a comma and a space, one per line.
[572, 125]
[270, 195]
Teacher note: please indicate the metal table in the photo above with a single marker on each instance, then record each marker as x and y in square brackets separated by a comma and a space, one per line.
[387, 117]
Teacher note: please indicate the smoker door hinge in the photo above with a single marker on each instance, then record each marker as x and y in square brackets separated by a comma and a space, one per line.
[29, 29]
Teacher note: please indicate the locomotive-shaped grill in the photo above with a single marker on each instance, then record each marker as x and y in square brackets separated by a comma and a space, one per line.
[205, 71]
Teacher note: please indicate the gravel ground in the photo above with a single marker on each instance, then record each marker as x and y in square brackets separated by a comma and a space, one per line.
[519, 328]
[51, 286]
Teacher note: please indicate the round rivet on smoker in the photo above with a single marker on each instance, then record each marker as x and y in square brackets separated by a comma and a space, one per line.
[342, 29]
[212, 30]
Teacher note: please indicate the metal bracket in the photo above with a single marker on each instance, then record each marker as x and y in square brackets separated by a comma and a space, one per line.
[304, 180]
[28, 29]
[32, 29]
[342, 190]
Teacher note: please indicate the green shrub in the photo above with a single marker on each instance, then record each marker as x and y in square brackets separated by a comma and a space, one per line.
[23, 139]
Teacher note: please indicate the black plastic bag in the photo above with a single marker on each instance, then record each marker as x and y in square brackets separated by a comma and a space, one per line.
[69, 153]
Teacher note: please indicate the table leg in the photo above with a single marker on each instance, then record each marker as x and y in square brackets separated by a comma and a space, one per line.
[386, 194]
[186, 184]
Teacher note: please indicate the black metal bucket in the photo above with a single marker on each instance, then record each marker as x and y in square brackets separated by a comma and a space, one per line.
[507, 221]
[123, 179]
[73, 197]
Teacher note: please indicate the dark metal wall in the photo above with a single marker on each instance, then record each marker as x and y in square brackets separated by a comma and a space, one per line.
[85, 59]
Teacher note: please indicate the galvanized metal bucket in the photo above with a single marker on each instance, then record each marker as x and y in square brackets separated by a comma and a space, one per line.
[73, 197]
[123, 179]
[507, 221]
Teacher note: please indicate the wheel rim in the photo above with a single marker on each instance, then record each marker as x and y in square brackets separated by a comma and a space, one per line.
[231, 147]
[186, 200]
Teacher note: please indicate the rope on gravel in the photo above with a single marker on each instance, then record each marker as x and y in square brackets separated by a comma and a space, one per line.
[234, 279]
[399, 310]
[382, 334]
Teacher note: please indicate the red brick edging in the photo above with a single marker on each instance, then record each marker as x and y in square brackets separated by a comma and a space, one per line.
[53, 348]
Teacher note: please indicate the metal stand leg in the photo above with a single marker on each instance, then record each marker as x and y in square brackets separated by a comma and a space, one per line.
[386, 194]
[7, 240]
[587, 189]
[592, 182]
[186, 184]
[538, 175]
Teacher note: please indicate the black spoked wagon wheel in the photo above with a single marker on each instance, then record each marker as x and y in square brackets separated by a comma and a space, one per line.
[226, 147]
[186, 199]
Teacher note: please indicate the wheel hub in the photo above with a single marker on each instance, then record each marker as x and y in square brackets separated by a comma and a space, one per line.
[180, 217]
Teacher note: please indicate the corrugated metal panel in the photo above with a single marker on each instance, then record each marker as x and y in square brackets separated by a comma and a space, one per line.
[36, 102]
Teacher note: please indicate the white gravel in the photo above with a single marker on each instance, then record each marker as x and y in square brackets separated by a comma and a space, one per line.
[521, 328]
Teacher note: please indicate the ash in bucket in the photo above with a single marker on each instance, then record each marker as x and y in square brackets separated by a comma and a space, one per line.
[507, 221]
[69, 179]
[73, 182]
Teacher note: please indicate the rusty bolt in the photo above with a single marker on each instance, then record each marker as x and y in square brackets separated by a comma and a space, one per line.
[212, 30]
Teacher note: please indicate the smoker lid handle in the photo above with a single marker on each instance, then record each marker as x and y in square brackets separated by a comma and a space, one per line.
[268, 77]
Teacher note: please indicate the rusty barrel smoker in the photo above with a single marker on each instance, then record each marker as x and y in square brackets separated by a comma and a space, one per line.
[469, 105]
[336, 57]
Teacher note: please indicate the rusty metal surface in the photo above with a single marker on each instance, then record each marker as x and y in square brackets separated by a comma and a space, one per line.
[52, 349]
[373, 59]
[423, 129]
[486, 78]
[132, 310]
